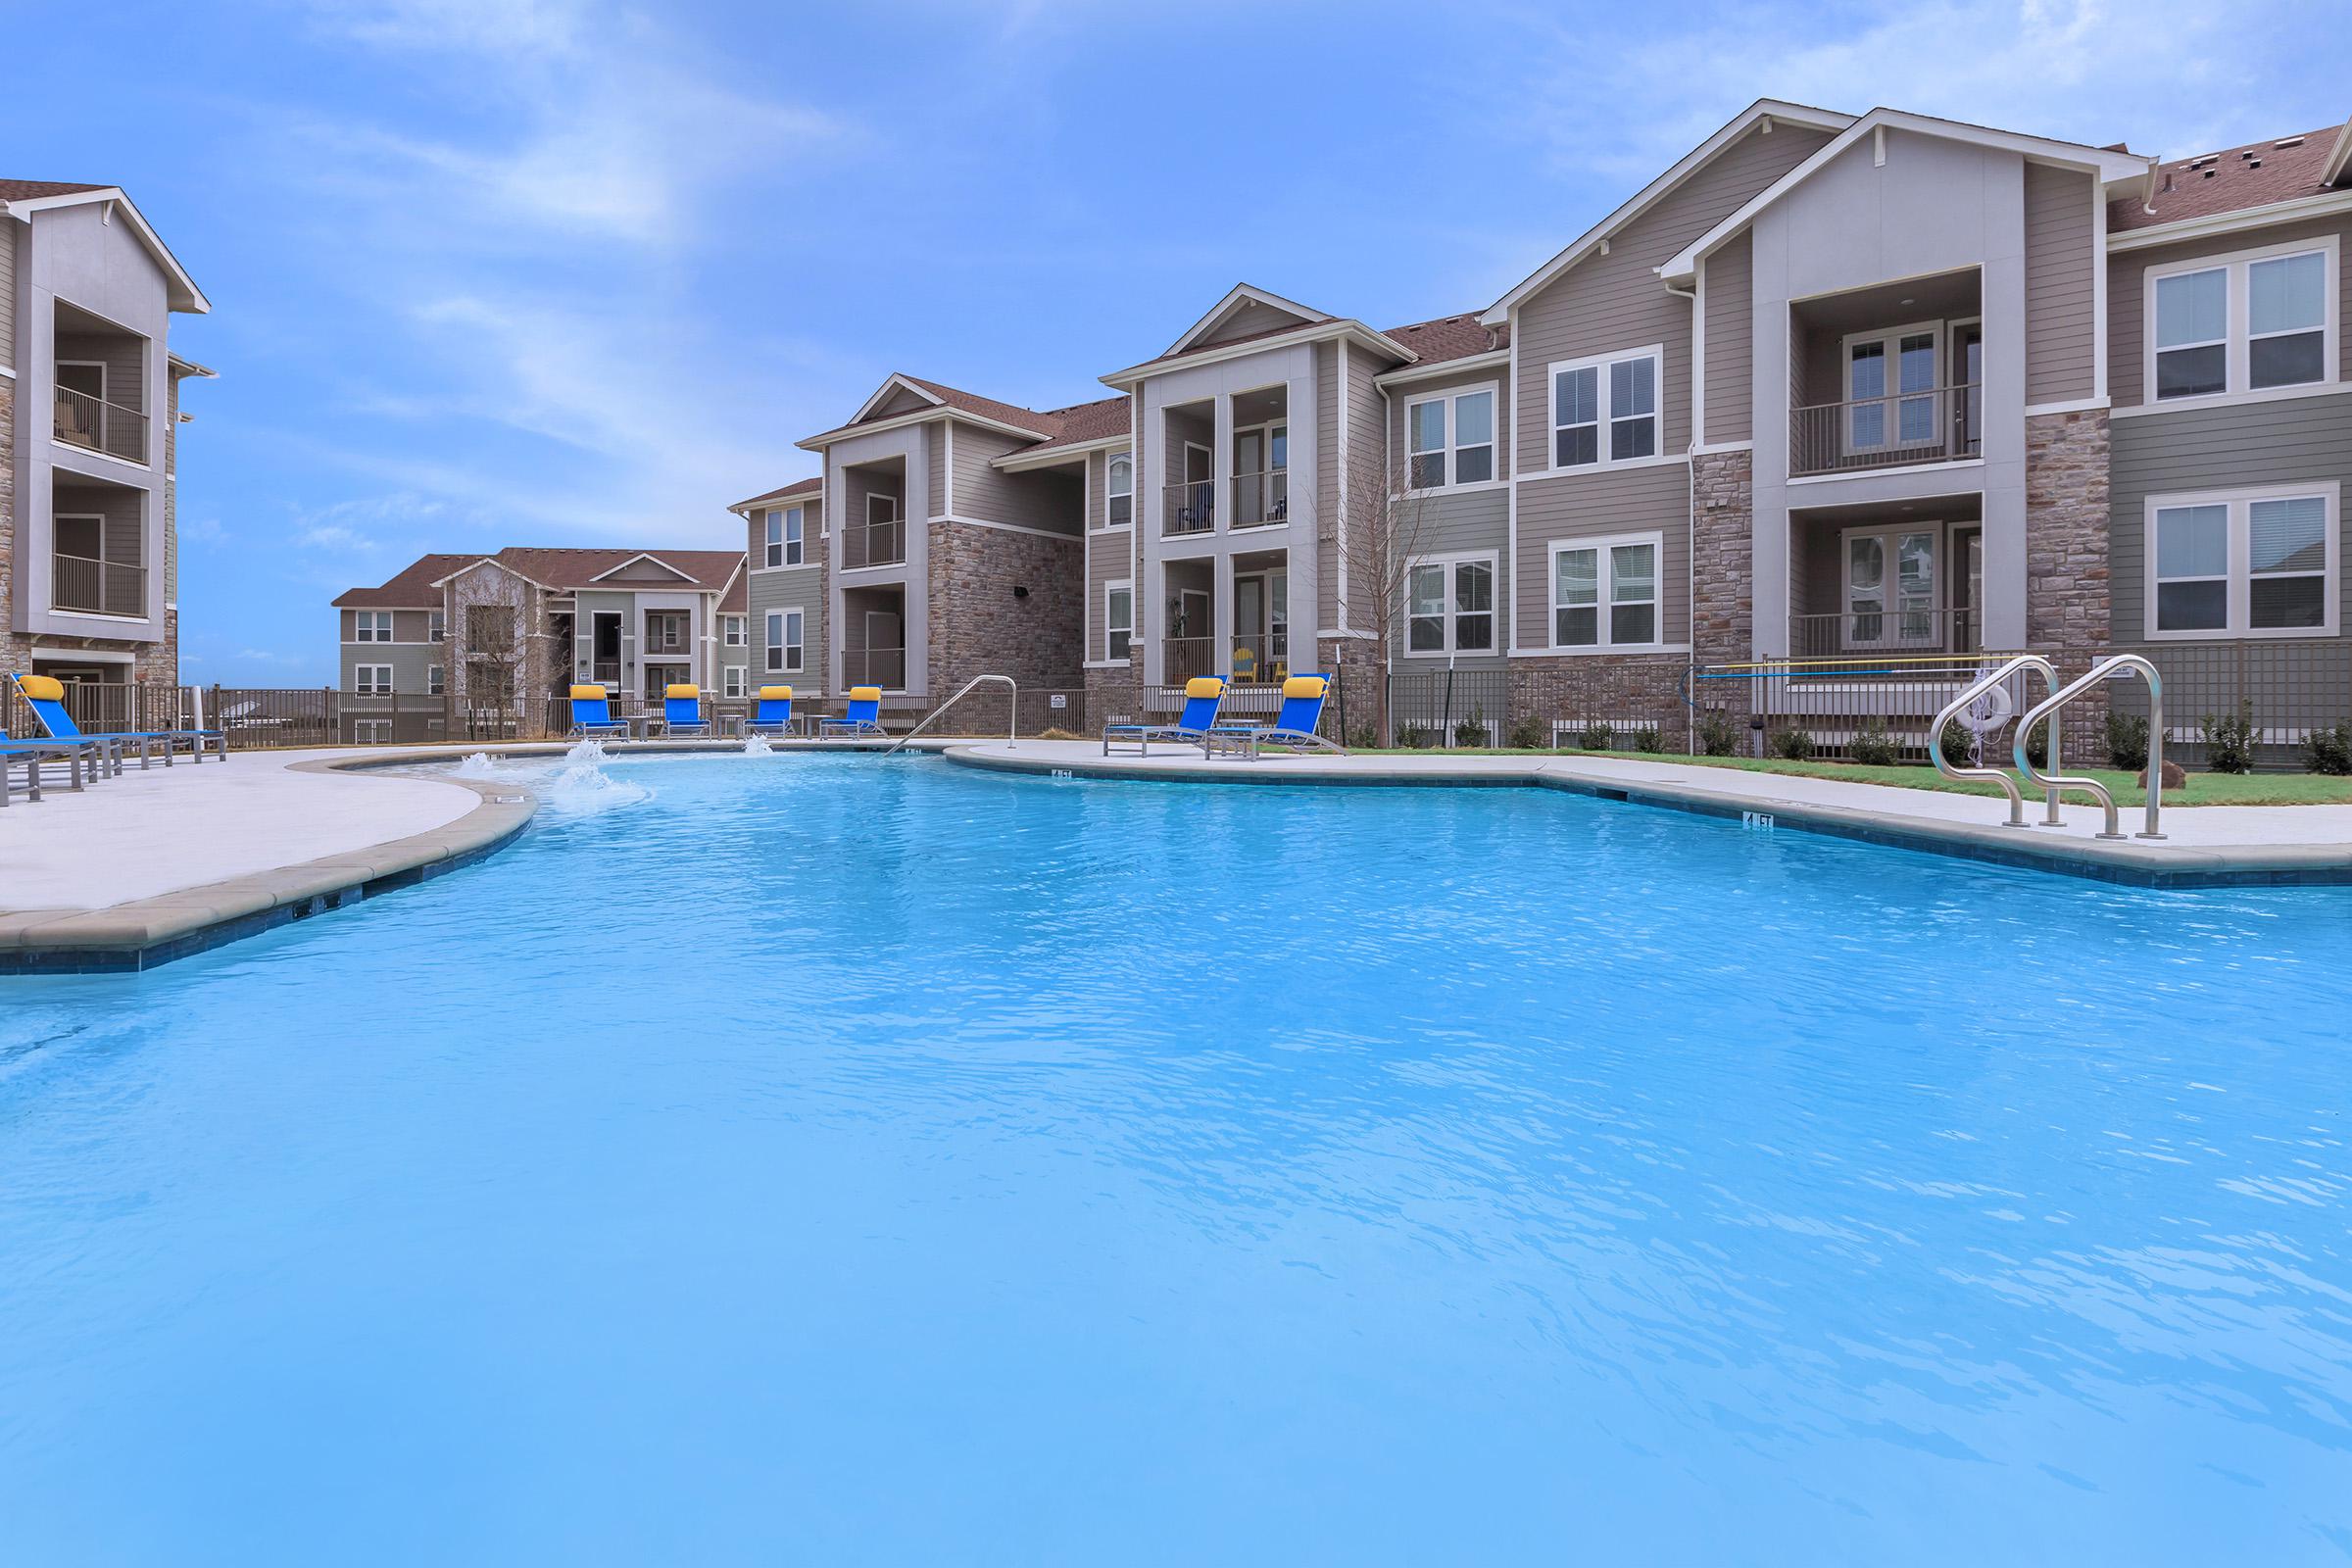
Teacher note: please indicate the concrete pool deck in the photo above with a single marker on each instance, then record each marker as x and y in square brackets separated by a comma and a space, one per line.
[155, 865]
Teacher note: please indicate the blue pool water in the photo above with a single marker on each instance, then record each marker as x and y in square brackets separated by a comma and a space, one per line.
[818, 1159]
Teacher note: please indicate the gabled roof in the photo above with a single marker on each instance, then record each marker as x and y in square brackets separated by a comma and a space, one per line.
[1760, 112]
[2237, 180]
[937, 399]
[1450, 337]
[620, 566]
[2338, 167]
[737, 598]
[892, 384]
[415, 586]
[1239, 297]
[2105, 163]
[792, 491]
[21, 197]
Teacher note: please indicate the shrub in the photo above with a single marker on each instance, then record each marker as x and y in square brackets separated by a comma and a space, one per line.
[1792, 745]
[1057, 733]
[1472, 731]
[1718, 736]
[1958, 745]
[1600, 735]
[1363, 738]
[1416, 737]
[2229, 740]
[1873, 746]
[2329, 751]
[2126, 742]
[1645, 738]
[1531, 734]
[2037, 745]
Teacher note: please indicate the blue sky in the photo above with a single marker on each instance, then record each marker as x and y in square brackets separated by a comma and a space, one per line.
[561, 271]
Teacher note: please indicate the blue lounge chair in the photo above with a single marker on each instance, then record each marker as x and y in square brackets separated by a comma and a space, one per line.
[863, 716]
[592, 716]
[772, 713]
[682, 711]
[1302, 714]
[47, 695]
[79, 760]
[1203, 695]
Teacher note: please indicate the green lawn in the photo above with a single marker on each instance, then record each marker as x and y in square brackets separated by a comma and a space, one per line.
[2204, 789]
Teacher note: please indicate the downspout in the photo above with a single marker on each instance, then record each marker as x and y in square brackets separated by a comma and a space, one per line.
[1690, 543]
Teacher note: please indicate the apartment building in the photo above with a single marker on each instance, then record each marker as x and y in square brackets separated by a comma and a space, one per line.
[453, 640]
[89, 422]
[1833, 386]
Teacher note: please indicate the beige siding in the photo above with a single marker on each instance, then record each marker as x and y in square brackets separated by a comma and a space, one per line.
[934, 462]
[2060, 257]
[1109, 556]
[2127, 279]
[1496, 377]
[1327, 483]
[1047, 498]
[1367, 449]
[412, 625]
[8, 291]
[1730, 341]
[1653, 499]
[899, 402]
[1607, 303]
[1251, 319]
[124, 355]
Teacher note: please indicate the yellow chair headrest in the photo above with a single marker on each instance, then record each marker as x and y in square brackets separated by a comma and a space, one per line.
[866, 694]
[41, 688]
[1306, 685]
[1204, 686]
[587, 694]
[775, 694]
[683, 691]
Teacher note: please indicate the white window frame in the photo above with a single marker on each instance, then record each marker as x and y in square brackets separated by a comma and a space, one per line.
[1110, 466]
[364, 626]
[796, 537]
[1604, 587]
[436, 680]
[786, 646]
[2237, 623]
[371, 680]
[436, 626]
[1494, 611]
[1451, 449]
[2237, 378]
[1604, 402]
[731, 677]
[1123, 585]
[1939, 334]
[731, 631]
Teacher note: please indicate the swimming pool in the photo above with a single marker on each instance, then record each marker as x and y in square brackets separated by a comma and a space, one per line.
[818, 1159]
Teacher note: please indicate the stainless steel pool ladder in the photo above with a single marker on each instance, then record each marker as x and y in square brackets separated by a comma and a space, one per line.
[1998, 775]
[2053, 781]
[1012, 732]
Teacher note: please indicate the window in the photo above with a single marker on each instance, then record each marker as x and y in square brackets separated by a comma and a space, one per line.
[1450, 606]
[372, 627]
[371, 680]
[784, 642]
[2256, 321]
[437, 626]
[1118, 507]
[433, 680]
[784, 545]
[1604, 592]
[1892, 388]
[732, 680]
[2251, 564]
[1605, 410]
[731, 630]
[1469, 458]
[1119, 619]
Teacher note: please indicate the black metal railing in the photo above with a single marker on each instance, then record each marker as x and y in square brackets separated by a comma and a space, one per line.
[96, 587]
[885, 667]
[93, 423]
[1262, 499]
[874, 543]
[1885, 630]
[1188, 508]
[1934, 424]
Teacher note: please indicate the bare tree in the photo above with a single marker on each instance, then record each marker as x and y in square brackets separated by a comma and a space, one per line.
[1384, 524]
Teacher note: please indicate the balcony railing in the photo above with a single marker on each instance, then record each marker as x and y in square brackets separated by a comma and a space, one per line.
[1243, 661]
[1934, 424]
[1261, 500]
[885, 667]
[1183, 657]
[83, 420]
[1892, 630]
[98, 587]
[874, 543]
[1188, 508]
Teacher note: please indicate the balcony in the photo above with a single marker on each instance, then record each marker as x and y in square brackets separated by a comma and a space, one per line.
[885, 667]
[1188, 509]
[1262, 499]
[1903, 630]
[97, 426]
[97, 587]
[1898, 429]
[877, 543]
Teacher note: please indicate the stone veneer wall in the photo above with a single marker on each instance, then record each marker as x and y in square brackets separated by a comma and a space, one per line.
[1722, 571]
[12, 646]
[979, 627]
[1628, 692]
[2067, 579]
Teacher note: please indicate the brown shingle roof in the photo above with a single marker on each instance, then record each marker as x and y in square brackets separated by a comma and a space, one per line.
[738, 596]
[564, 569]
[2250, 174]
[987, 408]
[1450, 337]
[26, 190]
[798, 487]
[1086, 421]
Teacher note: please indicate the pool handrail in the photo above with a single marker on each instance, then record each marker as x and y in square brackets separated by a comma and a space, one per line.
[1995, 775]
[2053, 781]
[1012, 732]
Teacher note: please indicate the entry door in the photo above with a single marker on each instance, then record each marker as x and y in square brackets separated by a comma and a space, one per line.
[1968, 637]
[1199, 487]
[1967, 380]
[885, 649]
[1890, 597]
[1249, 481]
[1249, 660]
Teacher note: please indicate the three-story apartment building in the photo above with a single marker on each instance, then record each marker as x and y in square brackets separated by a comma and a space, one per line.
[90, 417]
[1868, 387]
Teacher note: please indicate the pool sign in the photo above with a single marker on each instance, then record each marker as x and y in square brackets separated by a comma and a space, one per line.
[1058, 699]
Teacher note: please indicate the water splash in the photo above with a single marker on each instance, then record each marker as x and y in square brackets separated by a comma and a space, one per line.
[478, 765]
[755, 746]
[590, 752]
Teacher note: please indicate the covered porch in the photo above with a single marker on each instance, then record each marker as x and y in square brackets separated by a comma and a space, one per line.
[1887, 579]
[1241, 633]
